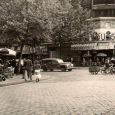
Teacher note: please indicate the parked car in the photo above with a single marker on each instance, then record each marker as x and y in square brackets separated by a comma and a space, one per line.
[55, 63]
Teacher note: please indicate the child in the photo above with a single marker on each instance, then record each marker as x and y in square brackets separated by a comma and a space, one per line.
[37, 73]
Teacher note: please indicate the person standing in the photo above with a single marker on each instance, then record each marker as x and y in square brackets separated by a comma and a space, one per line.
[90, 62]
[37, 73]
[102, 61]
[98, 61]
[28, 67]
[84, 61]
[23, 69]
[13, 64]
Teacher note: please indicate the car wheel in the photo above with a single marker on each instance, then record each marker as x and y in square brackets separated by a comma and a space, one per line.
[63, 69]
[51, 69]
[44, 69]
[69, 69]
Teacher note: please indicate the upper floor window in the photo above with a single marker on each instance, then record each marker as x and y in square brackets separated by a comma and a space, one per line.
[103, 13]
[95, 2]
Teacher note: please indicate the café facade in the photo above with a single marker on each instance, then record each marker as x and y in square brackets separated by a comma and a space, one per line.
[104, 42]
[91, 51]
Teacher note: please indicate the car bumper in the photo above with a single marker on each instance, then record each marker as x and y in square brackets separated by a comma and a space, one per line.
[69, 67]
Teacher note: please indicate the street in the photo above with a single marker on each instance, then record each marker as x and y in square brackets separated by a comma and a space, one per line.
[63, 93]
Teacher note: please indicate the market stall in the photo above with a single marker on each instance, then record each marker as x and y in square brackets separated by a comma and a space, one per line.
[7, 55]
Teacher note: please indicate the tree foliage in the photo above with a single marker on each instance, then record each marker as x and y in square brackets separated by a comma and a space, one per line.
[23, 22]
[72, 25]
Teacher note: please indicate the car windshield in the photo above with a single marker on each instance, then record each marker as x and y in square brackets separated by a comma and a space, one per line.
[60, 61]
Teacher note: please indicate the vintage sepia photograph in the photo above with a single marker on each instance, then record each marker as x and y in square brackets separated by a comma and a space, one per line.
[57, 57]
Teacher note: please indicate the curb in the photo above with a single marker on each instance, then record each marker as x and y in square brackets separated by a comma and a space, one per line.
[19, 82]
[80, 68]
[8, 84]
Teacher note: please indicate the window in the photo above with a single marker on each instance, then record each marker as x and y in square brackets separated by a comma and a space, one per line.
[54, 62]
[49, 61]
[95, 2]
[60, 61]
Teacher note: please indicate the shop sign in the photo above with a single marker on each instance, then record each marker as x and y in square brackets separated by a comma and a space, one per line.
[91, 47]
[105, 47]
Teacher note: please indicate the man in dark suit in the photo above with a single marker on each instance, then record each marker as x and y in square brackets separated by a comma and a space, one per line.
[13, 64]
[28, 67]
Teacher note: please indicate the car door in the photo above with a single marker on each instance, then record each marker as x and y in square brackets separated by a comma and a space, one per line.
[54, 64]
[49, 64]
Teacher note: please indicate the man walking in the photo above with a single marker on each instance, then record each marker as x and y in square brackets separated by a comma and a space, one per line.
[27, 67]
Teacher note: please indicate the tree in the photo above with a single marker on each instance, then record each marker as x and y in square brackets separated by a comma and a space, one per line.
[69, 23]
[73, 25]
[24, 21]
[27, 22]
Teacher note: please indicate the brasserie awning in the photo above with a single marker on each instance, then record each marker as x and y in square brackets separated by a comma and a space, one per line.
[93, 46]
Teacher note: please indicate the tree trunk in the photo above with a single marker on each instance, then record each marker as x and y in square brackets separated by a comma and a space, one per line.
[19, 65]
[60, 43]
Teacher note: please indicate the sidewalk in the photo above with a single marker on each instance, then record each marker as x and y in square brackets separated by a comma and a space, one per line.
[17, 79]
[85, 68]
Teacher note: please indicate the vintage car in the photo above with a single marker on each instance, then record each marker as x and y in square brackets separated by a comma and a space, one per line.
[55, 63]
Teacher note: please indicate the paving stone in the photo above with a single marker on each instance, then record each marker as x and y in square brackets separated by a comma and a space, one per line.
[81, 95]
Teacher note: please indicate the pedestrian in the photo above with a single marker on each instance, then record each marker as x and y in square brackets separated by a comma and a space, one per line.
[13, 64]
[90, 62]
[23, 69]
[98, 61]
[37, 73]
[28, 71]
[102, 61]
[107, 63]
[84, 61]
[71, 60]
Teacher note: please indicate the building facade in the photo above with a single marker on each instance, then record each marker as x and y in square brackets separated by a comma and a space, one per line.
[103, 15]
